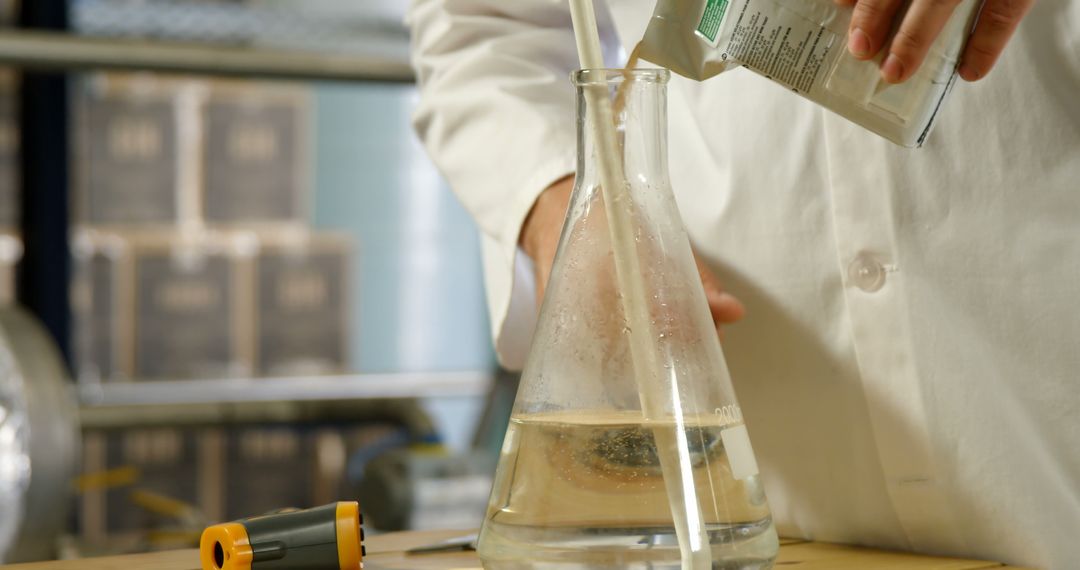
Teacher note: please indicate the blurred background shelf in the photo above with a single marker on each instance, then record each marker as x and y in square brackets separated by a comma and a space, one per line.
[234, 391]
[59, 50]
[337, 40]
[266, 293]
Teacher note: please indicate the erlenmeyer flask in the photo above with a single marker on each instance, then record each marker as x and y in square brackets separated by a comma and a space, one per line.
[626, 447]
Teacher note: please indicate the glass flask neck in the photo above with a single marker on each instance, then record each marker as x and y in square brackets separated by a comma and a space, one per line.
[638, 99]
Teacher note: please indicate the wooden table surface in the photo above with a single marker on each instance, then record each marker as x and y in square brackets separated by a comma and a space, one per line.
[386, 552]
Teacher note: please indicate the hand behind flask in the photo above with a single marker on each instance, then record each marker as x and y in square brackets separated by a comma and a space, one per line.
[540, 239]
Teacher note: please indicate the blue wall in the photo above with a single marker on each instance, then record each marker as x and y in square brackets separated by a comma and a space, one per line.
[418, 278]
[418, 288]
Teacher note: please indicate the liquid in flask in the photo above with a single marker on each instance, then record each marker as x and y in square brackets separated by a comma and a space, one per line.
[626, 447]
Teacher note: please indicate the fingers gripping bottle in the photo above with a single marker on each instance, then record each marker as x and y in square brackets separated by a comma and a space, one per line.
[626, 446]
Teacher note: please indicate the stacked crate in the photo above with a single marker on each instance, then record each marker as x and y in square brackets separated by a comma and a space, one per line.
[301, 303]
[255, 156]
[155, 306]
[174, 464]
[193, 254]
[193, 259]
[202, 475]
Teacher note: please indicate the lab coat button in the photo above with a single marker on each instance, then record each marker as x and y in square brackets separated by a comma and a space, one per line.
[866, 273]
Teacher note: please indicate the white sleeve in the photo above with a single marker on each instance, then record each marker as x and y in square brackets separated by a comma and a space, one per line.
[496, 114]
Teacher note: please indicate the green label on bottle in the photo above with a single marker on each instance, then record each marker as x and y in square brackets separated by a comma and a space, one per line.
[709, 26]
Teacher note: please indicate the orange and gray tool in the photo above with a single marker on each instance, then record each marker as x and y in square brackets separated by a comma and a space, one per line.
[329, 537]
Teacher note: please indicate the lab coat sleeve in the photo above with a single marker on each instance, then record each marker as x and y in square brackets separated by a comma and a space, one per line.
[496, 115]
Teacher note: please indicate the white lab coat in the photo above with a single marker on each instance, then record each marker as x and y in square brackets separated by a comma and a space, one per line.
[937, 410]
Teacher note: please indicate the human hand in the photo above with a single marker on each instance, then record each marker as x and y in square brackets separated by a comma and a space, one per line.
[540, 238]
[872, 21]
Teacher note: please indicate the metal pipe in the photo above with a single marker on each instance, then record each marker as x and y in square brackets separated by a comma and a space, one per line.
[50, 50]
